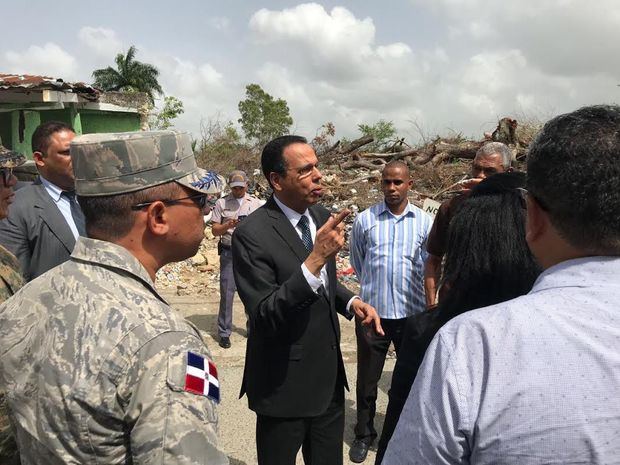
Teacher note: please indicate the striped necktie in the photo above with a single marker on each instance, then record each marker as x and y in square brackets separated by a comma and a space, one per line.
[76, 212]
[306, 236]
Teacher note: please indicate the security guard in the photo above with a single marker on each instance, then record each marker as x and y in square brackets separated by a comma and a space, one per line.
[227, 213]
[97, 367]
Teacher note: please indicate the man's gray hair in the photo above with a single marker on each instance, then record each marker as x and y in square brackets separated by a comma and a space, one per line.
[491, 148]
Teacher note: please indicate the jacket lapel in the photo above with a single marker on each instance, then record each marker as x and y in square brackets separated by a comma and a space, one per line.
[285, 230]
[49, 213]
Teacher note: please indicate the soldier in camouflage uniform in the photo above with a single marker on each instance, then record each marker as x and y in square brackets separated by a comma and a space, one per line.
[97, 367]
[10, 274]
[10, 281]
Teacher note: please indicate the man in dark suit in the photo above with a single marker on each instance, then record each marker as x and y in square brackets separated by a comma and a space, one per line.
[45, 218]
[283, 260]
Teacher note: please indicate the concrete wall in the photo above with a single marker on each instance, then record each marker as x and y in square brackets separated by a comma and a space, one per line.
[17, 126]
[23, 124]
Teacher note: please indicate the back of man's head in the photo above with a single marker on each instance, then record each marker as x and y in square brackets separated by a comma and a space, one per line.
[573, 168]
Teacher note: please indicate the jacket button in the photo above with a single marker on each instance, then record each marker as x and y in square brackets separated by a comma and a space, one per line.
[333, 346]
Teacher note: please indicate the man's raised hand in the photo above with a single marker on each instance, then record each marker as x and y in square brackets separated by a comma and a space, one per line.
[328, 242]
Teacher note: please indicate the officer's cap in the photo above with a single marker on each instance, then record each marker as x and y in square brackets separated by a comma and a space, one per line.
[118, 163]
[9, 158]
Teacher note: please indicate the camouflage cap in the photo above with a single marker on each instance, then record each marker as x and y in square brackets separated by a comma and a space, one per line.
[10, 159]
[118, 163]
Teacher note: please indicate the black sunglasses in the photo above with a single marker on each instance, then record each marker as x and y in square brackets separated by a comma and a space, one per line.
[200, 199]
[7, 174]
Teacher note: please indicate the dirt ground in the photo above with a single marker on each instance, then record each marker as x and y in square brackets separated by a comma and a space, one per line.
[237, 422]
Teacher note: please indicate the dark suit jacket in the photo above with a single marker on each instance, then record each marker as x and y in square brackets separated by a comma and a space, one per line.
[36, 232]
[293, 358]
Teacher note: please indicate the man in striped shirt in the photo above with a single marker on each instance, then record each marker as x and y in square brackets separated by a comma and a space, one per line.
[387, 253]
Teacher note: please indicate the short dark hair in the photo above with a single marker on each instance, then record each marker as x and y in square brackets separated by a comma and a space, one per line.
[272, 158]
[397, 164]
[488, 260]
[573, 167]
[41, 135]
[110, 217]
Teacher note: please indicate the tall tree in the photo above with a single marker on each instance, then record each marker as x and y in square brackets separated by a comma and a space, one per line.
[263, 117]
[130, 75]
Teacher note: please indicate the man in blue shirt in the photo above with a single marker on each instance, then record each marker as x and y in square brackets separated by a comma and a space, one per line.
[387, 253]
[536, 379]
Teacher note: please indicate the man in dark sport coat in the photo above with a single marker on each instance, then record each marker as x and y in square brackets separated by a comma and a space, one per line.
[283, 258]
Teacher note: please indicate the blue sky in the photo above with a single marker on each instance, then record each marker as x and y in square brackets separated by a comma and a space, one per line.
[445, 65]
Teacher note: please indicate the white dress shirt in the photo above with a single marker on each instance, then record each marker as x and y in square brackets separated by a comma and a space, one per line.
[313, 281]
[61, 202]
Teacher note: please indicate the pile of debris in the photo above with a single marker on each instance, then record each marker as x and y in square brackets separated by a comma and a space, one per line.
[199, 274]
[351, 179]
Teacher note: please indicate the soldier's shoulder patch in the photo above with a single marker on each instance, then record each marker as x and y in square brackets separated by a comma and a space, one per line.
[201, 377]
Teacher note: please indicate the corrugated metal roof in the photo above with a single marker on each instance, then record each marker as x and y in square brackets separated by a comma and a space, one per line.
[32, 82]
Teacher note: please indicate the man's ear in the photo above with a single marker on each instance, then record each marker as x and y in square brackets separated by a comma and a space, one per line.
[275, 179]
[157, 219]
[39, 158]
[537, 221]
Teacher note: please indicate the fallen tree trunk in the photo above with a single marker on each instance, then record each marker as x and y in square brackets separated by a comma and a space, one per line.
[356, 144]
[393, 155]
[371, 165]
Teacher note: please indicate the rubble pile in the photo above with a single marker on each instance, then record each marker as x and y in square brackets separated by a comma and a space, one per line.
[199, 274]
[351, 179]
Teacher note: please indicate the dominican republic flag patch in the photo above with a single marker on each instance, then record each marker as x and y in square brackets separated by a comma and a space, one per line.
[201, 377]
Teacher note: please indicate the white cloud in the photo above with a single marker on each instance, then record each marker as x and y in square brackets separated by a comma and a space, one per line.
[334, 44]
[48, 59]
[203, 89]
[100, 40]
[278, 81]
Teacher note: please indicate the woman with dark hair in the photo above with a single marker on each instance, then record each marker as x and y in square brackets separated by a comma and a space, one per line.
[487, 262]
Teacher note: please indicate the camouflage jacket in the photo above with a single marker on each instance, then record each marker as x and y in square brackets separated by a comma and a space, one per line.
[94, 364]
[10, 277]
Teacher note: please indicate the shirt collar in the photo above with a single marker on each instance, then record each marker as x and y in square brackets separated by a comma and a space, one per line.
[384, 208]
[291, 214]
[580, 272]
[52, 189]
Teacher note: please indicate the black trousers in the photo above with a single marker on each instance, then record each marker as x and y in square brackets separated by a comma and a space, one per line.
[371, 352]
[278, 439]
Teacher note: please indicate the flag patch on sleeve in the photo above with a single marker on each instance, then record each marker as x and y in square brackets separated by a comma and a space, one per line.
[201, 377]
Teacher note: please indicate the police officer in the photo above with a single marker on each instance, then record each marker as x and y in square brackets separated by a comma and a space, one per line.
[10, 281]
[97, 367]
[227, 213]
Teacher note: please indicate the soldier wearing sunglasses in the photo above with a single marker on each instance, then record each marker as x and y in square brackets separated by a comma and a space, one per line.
[121, 376]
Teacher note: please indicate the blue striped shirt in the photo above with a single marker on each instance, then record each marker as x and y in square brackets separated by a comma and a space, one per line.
[388, 253]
